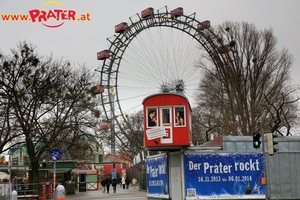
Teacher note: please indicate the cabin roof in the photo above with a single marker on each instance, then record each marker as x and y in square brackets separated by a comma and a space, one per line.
[166, 93]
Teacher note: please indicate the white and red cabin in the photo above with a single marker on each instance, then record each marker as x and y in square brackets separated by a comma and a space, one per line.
[103, 54]
[203, 25]
[120, 28]
[170, 126]
[147, 12]
[104, 125]
[176, 12]
[99, 89]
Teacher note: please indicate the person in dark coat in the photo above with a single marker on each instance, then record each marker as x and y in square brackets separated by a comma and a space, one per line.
[151, 118]
[114, 184]
[127, 182]
[103, 184]
[108, 182]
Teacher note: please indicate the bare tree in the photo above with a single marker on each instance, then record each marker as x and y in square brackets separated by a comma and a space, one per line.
[245, 80]
[9, 133]
[47, 101]
[130, 141]
[203, 123]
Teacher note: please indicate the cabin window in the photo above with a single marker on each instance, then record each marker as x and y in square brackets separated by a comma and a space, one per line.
[165, 116]
[152, 117]
[179, 116]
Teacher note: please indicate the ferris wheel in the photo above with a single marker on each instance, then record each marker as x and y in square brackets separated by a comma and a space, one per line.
[155, 51]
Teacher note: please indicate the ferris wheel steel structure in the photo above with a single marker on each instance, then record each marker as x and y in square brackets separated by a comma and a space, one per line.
[188, 24]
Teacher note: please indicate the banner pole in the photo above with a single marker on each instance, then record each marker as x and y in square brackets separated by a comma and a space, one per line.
[265, 164]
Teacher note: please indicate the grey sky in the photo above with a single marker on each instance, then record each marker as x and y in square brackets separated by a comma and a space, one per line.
[79, 41]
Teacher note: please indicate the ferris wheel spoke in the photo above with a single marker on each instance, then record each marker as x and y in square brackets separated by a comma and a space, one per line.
[154, 54]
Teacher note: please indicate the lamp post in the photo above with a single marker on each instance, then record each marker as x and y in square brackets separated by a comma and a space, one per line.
[265, 165]
[9, 175]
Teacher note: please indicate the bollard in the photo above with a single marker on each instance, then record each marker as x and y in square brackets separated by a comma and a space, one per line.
[60, 192]
[14, 195]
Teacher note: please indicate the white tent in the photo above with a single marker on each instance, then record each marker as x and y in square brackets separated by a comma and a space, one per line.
[4, 175]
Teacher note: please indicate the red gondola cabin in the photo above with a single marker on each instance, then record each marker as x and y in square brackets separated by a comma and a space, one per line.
[103, 55]
[99, 89]
[147, 12]
[120, 28]
[167, 121]
[104, 125]
[177, 12]
[224, 49]
[203, 25]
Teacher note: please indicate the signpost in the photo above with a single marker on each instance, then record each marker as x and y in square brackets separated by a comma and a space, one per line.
[113, 173]
[9, 175]
[55, 155]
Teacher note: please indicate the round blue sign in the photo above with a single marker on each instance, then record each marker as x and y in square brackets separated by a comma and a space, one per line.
[55, 154]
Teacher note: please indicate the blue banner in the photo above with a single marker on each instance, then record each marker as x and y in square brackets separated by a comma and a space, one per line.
[113, 173]
[223, 175]
[157, 177]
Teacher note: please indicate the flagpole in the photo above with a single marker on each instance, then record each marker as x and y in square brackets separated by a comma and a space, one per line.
[9, 175]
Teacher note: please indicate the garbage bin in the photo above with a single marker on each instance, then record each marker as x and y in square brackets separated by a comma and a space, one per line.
[82, 187]
[70, 188]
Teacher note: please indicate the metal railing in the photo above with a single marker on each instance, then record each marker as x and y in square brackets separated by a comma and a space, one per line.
[23, 190]
[5, 191]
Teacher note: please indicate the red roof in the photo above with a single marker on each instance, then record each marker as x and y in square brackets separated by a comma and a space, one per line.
[217, 142]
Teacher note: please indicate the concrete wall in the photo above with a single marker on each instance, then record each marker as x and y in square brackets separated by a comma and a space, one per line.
[176, 175]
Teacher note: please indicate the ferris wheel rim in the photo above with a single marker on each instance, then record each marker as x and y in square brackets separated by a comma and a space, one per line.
[122, 40]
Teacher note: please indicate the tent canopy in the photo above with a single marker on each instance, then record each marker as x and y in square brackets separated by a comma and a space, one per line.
[4, 175]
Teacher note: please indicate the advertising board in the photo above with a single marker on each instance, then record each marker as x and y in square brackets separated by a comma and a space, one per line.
[223, 175]
[157, 177]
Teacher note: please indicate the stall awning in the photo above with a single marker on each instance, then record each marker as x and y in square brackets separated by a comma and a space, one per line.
[58, 170]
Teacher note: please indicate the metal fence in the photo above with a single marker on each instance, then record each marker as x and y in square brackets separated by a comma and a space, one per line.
[25, 189]
[5, 191]
[142, 182]
[138, 172]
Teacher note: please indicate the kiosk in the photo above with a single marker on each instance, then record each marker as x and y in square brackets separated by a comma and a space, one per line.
[167, 121]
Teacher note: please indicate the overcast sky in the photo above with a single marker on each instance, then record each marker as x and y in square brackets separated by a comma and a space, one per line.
[79, 41]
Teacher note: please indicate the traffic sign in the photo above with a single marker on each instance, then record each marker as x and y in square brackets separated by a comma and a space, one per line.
[55, 154]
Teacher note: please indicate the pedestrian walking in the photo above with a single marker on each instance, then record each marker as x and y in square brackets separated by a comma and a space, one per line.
[123, 182]
[108, 182]
[127, 182]
[114, 184]
[103, 183]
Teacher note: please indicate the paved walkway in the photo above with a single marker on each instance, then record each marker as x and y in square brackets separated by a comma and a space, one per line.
[127, 194]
